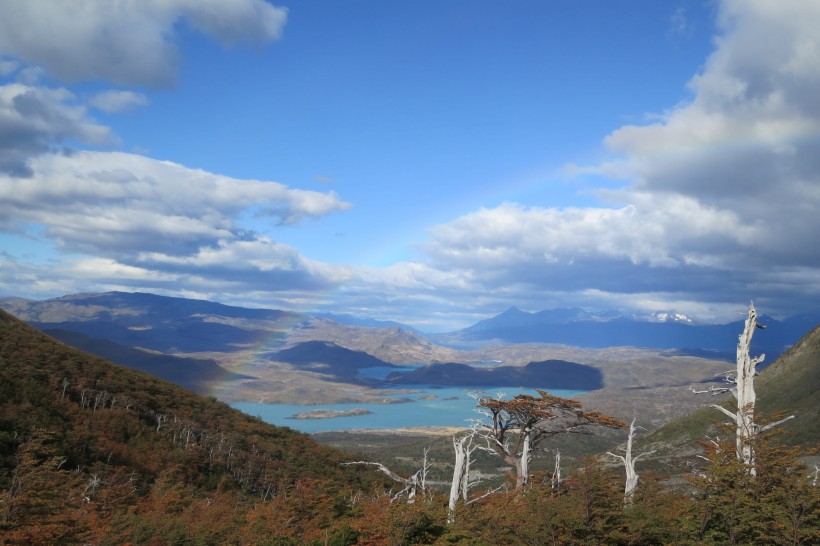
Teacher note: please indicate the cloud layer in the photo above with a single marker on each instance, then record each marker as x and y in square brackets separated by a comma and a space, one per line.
[718, 202]
[36, 120]
[143, 212]
[722, 196]
[128, 43]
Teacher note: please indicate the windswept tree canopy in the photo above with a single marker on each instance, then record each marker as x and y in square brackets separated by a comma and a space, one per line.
[534, 419]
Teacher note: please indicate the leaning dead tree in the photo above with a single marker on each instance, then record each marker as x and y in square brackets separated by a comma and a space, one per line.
[740, 382]
[415, 484]
[515, 427]
[629, 464]
[461, 473]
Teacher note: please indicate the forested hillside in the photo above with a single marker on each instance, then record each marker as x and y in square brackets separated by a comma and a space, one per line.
[94, 453]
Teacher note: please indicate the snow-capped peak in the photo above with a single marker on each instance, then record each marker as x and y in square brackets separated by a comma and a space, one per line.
[665, 316]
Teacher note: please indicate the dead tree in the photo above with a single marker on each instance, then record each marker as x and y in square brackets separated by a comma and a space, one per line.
[161, 419]
[459, 477]
[415, 484]
[555, 480]
[460, 486]
[740, 382]
[629, 464]
[517, 426]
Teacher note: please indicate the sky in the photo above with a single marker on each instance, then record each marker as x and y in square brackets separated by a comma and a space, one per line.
[433, 163]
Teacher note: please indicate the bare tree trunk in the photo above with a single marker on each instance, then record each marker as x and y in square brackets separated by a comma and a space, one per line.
[459, 477]
[412, 484]
[746, 397]
[524, 468]
[465, 483]
[743, 389]
[555, 482]
[629, 465]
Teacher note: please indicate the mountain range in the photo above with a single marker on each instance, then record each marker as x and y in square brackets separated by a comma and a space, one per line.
[662, 330]
[275, 355]
[172, 325]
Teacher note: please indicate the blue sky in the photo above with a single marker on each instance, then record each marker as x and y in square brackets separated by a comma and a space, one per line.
[427, 162]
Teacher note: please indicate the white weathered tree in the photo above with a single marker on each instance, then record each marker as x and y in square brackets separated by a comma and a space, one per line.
[740, 382]
[515, 427]
[413, 486]
[462, 483]
[460, 475]
[555, 480]
[629, 464]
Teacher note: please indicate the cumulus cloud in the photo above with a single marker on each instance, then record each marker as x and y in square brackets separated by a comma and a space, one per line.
[129, 43]
[722, 196]
[254, 263]
[135, 222]
[35, 120]
[119, 205]
[749, 140]
[118, 101]
[127, 222]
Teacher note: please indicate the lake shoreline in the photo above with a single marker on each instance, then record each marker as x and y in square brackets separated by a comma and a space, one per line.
[329, 414]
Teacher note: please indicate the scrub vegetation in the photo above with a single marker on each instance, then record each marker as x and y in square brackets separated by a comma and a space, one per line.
[91, 453]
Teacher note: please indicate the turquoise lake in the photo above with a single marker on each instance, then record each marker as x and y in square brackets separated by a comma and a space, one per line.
[430, 406]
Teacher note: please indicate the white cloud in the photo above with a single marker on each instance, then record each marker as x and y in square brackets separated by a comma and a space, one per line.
[257, 263]
[654, 231]
[127, 222]
[118, 101]
[749, 140]
[723, 196]
[116, 204]
[127, 42]
[35, 120]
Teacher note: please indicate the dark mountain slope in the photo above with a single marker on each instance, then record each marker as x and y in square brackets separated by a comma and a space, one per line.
[329, 359]
[191, 373]
[549, 374]
[94, 453]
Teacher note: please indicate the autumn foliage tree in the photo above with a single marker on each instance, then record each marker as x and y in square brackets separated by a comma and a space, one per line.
[777, 504]
[515, 427]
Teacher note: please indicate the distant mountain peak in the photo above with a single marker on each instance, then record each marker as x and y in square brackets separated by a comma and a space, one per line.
[514, 311]
[671, 316]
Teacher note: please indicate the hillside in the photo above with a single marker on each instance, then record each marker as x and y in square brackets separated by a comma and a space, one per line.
[160, 323]
[791, 385]
[195, 374]
[94, 453]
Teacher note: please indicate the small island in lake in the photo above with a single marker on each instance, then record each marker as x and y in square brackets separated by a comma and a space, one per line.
[327, 414]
